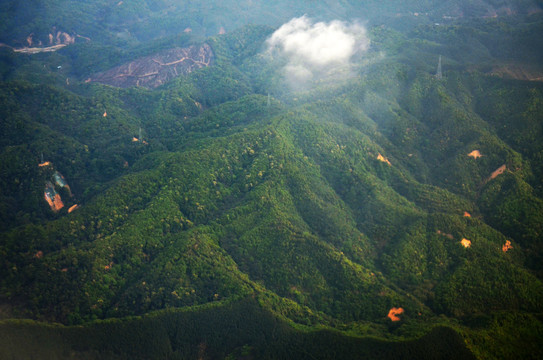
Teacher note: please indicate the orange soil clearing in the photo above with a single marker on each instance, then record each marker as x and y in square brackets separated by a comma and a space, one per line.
[47, 163]
[498, 171]
[392, 314]
[72, 208]
[135, 139]
[507, 246]
[38, 255]
[383, 159]
[475, 154]
[466, 243]
[467, 214]
[105, 113]
[56, 204]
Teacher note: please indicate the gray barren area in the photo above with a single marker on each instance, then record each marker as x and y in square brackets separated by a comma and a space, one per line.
[155, 70]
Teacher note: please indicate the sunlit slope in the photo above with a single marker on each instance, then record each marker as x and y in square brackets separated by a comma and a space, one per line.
[239, 197]
[313, 209]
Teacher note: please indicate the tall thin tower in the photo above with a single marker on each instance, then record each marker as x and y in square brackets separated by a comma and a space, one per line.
[439, 74]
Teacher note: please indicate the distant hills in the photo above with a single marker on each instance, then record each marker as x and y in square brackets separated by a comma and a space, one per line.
[129, 22]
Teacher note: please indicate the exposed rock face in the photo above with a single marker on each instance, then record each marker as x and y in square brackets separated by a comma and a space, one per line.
[155, 70]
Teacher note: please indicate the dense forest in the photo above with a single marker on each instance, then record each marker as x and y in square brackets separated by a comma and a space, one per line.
[220, 180]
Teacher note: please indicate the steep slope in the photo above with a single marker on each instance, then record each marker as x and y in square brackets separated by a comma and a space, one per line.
[279, 211]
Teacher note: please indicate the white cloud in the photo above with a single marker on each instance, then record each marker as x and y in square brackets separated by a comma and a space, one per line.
[313, 50]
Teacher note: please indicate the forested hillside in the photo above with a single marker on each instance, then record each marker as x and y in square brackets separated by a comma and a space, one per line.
[172, 174]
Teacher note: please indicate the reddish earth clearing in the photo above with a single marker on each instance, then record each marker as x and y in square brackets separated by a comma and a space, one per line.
[56, 203]
[394, 312]
[507, 246]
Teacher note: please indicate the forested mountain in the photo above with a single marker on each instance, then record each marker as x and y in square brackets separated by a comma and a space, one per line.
[271, 179]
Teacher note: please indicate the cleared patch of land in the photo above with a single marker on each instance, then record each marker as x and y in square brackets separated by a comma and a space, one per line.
[394, 312]
[155, 70]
